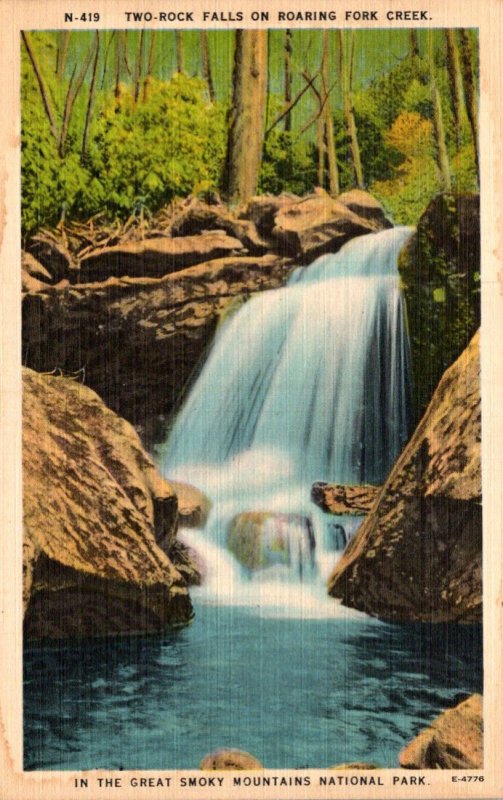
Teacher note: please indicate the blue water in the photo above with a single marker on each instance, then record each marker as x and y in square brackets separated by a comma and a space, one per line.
[295, 693]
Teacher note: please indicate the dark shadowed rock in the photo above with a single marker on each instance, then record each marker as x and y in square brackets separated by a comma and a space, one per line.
[54, 256]
[440, 273]
[138, 341]
[365, 205]
[153, 258]
[417, 555]
[262, 211]
[35, 269]
[453, 741]
[338, 499]
[94, 505]
[230, 759]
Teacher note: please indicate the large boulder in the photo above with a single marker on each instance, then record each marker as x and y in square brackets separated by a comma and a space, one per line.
[137, 342]
[193, 505]
[259, 539]
[340, 499]
[454, 740]
[321, 224]
[200, 217]
[230, 759]
[94, 509]
[417, 555]
[153, 258]
[440, 273]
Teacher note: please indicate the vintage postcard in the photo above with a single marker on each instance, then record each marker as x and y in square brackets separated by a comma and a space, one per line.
[251, 417]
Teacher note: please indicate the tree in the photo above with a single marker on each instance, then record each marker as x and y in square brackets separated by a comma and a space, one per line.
[347, 66]
[470, 91]
[438, 127]
[455, 83]
[246, 118]
[206, 64]
[287, 94]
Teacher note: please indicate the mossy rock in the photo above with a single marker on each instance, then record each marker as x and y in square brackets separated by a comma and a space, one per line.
[440, 273]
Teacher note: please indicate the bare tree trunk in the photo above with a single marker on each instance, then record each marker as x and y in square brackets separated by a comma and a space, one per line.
[121, 59]
[246, 128]
[455, 83]
[206, 64]
[180, 52]
[138, 67]
[150, 66]
[413, 43]
[74, 88]
[288, 78]
[347, 82]
[92, 90]
[438, 126]
[320, 144]
[470, 92]
[63, 42]
[333, 173]
[44, 93]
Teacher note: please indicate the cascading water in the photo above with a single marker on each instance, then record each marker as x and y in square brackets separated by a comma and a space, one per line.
[305, 383]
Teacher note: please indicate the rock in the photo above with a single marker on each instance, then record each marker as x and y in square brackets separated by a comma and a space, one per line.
[193, 505]
[188, 563]
[417, 555]
[453, 741]
[440, 272]
[93, 507]
[259, 539]
[356, 765]
[30, 284]
[337, 499]
[153, 258]
[320, 224]
[365, 205]
[200, 217]
[262, 211]
[230, 759]
[139, 341]
[53, 255]
[34, 268]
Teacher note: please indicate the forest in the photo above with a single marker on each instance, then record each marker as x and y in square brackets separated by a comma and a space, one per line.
[117, 124]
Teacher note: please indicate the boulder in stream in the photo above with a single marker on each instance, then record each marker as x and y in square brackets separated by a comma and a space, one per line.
[417, 555]
[259, 539]
[94, 508]
[230, 759]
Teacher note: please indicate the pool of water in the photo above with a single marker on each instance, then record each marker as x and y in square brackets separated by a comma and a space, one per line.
[296, 693]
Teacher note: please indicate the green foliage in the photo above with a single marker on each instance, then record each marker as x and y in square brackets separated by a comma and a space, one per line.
[288, 165]
[150, 151]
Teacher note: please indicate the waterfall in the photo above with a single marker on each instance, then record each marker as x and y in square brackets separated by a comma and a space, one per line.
[305, 383]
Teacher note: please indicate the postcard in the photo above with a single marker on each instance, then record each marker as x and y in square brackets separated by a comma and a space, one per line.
[251, 377]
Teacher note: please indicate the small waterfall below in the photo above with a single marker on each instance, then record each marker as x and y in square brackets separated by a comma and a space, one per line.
[306, 383]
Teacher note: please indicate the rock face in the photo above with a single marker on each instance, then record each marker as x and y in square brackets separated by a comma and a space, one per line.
[138, 341]
[338, 499]
[417, 555]
[440, 272]
[453, 741]
[230, 759]
[320, 224]
[261, 539]
[193, 505]
[153, 258]
[94, 508]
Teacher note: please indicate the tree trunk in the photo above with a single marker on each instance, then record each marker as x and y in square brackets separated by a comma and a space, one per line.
[63, 42]
[74, 88]
[150, 66]
[333, 173]
[246, 119]
[470, 92]
[455, 83]
[44, 93]
[413, 43]
[438, 126]
[349, 116]
[288, 78]
[92, 90]
[180, 53]
[138, 67]
[206, 64]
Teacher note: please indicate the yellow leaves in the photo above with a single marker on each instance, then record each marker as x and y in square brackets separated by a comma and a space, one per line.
[411, 134]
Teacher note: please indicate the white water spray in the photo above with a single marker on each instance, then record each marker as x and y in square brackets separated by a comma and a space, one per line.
[305, 383]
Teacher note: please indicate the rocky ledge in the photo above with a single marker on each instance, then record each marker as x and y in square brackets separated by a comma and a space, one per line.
[417, 555]
[134, 311]
[98, 518]
[336, 498]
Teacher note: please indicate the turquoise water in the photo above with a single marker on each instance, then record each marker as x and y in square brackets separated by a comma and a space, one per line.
[295, 693]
